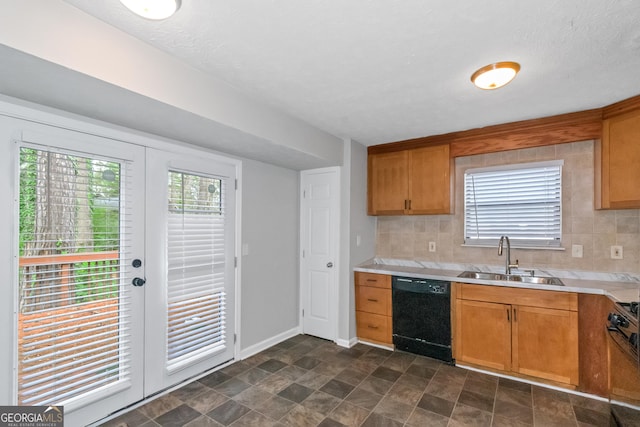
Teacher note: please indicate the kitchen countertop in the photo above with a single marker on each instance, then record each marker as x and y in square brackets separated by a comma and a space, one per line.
[617, 291]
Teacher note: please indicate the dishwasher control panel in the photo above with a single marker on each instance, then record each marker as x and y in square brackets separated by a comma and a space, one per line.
[421, 285]
[438, 288]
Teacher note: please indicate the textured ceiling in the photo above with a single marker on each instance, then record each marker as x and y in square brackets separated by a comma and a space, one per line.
[386, 70]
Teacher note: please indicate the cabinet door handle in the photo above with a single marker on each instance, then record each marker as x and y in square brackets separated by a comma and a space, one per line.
[515, 315]
[508, 319]
[372, 300]
[409, 204]
[372, 327]
[405, 204]
[372, 280]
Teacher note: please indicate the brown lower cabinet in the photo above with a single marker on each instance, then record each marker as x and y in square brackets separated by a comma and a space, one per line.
[373, 308]
[526, 332]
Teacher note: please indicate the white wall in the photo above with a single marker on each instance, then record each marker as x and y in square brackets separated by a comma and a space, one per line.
[355, 222]
[70, 38]
[270, 229]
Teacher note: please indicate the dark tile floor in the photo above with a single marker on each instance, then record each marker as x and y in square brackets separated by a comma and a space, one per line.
[306, 381]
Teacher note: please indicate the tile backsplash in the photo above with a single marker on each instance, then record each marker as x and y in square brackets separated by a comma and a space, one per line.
[408, 237]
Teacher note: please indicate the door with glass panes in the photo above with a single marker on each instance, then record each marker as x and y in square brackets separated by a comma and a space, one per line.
[78, 321]
[101, 323]
[190, 236]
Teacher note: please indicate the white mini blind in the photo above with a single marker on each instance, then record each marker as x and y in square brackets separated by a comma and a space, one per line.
[74, 298]
[523, 202]
[196, 267]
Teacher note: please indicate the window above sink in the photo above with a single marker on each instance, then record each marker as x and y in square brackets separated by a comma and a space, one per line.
[523, 201]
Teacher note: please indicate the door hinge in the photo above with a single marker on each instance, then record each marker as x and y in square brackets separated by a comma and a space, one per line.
[235, 338]
[236, 184]
[235, 261]
[303, 312]
[304, 194]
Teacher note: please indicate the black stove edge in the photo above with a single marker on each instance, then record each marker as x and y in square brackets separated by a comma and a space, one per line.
[622, 416]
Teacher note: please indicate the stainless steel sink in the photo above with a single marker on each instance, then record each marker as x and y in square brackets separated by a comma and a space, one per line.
[538, 280]
[483, 276]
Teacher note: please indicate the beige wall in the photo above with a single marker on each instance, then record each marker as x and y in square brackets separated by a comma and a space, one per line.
[407, 237]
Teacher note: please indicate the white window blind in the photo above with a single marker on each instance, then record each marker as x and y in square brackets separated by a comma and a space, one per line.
[196, 267]
[520, 201]
[73, 323]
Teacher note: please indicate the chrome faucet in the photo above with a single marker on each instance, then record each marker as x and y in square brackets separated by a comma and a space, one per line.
[507, 261]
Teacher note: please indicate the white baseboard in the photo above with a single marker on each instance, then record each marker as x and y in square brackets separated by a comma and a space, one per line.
[270, 342]
[347, 343]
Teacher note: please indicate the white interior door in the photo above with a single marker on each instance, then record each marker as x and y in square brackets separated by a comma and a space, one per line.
[190, 284]
[319, 221]
[78, 319]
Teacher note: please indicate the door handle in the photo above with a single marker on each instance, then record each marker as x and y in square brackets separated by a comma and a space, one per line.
[138, 281]
[329, 264]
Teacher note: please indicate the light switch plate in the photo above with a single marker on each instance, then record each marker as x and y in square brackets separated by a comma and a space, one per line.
[432, 246]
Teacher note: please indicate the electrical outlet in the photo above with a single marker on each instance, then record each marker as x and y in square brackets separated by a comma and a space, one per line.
[576, 251]
[616, 252]
[432, 246]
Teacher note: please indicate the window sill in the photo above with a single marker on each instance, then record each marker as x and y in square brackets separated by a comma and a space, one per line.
[537, 248]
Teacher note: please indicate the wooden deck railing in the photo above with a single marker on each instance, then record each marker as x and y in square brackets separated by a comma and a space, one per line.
[54, 332]
[65, 273]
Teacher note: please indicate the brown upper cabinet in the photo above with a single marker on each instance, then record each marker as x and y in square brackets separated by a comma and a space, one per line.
[411, 182]
[617, 160]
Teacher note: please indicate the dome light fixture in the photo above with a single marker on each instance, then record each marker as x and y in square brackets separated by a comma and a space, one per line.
[153, 9]
[494, 76]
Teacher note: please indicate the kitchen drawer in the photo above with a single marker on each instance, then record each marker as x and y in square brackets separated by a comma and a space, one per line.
[517, 296]
[372, 279]
[374, 327]
[373, 300]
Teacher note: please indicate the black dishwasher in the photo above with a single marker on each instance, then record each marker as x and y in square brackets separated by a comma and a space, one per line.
[422, 317]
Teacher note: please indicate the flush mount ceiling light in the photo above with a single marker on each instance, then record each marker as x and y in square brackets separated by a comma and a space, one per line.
[152, 9]
[495, 75]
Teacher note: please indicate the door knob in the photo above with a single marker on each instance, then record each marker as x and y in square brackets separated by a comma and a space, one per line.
[329, 264]
[136, 263]
[138, 281]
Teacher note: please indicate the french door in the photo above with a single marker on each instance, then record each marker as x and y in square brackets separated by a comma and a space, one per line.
[79, 320]
[125, 270]
[190, 234]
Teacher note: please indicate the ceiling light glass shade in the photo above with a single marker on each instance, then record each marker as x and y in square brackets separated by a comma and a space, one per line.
[495, 75]
[152, 9]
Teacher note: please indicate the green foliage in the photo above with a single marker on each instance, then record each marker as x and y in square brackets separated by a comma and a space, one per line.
[28, 176]
[93, 280]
